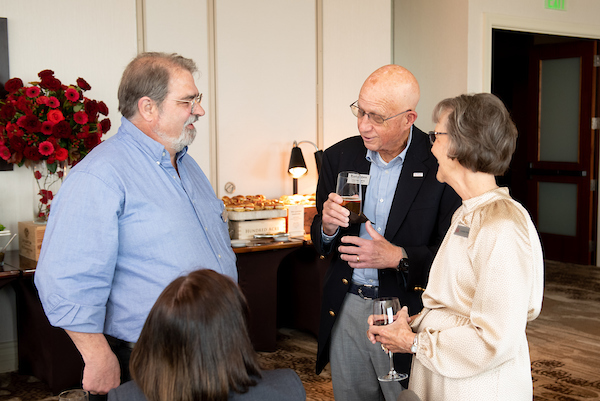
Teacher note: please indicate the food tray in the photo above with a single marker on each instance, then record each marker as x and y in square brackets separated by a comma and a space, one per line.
[257, 215]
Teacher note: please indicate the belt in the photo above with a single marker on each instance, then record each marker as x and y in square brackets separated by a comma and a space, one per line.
[364, 291]
[115, 342]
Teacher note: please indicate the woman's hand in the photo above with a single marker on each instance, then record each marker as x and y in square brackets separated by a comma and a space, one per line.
[396, 337]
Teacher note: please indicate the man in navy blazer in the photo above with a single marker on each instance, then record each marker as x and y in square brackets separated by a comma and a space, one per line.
[409, 213]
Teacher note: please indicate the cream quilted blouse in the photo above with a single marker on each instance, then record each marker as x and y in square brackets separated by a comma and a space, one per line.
[486, 283]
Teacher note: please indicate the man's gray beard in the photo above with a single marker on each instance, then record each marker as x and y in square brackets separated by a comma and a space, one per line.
[184, 139]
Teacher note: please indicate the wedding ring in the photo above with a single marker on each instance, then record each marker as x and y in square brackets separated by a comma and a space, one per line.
[357, 259]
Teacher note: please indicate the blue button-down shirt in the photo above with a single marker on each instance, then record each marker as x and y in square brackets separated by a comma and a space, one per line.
[123, 226]
[383, 180]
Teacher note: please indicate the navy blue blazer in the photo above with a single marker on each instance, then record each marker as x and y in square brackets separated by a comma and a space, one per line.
[275, 385]
[419, 218]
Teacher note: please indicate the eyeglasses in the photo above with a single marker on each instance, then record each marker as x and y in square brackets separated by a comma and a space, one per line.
[432, 135]
[375, 118]
[195, 101]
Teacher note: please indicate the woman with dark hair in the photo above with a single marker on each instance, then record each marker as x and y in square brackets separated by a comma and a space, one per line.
[195, 346]
[487, 279]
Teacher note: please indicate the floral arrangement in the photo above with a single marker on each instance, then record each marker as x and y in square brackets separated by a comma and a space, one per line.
[49, 122]
[48, 126]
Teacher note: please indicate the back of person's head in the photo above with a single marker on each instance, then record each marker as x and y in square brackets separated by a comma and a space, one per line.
[148, 75]
[483, 136]
[194, 344]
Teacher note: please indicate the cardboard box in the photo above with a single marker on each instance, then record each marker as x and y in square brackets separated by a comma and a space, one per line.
[247, 229]
[31, 236]
[309, 215]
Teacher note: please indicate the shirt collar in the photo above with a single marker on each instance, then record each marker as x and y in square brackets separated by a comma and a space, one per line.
[155, 149]
[374, 157]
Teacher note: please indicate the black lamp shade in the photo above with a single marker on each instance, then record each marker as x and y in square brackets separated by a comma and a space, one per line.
[297, 167]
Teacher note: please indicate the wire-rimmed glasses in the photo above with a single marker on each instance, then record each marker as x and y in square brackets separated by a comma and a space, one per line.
[432, 135]
[195, 101]
[374, 118]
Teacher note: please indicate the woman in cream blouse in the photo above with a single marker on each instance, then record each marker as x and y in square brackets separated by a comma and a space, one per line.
[486, 281]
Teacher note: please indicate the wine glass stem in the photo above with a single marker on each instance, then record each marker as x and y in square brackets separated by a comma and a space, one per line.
[391, 354]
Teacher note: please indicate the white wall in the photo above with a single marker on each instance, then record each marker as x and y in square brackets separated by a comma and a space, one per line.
[181, 26]
[430, 39]
[357, 39]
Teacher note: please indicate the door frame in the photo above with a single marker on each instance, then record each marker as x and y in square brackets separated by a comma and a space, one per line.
[530, 25]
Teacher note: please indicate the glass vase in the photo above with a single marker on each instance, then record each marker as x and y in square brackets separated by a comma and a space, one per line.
[47, 182]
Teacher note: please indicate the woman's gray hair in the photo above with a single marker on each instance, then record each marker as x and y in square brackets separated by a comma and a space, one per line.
[483, 136]
[148, 75]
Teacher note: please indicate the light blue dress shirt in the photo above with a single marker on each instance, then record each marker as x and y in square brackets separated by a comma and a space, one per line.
[122, 227]
[383, 180]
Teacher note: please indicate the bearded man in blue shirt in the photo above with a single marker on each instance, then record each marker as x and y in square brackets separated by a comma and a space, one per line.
[133, 215]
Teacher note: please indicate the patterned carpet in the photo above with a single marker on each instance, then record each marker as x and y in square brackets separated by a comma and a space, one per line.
[564, 340]
[564, 346]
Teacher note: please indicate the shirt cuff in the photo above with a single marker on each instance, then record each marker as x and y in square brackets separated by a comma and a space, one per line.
[328, 239]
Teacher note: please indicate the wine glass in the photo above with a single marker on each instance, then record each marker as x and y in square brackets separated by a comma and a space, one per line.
[74, 395]
[384, 310]
[349, 187]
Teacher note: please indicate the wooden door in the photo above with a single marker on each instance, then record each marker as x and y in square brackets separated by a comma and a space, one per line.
[562, 149]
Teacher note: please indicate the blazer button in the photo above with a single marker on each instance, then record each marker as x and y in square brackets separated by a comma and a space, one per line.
[345, 281]
[332, 313]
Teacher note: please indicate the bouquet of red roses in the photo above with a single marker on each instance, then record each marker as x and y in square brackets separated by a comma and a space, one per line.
[50, 122]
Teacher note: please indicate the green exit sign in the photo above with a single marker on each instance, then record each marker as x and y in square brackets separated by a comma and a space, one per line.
[556, 4]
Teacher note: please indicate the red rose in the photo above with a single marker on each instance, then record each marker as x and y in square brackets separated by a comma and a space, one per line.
[55, 116]
[32, 153]
[7, 112]
[30, 123]
[91, 108]
[61, 129]
[47, 127]
[91, 141]
[53, 102]
[50, 83]
[42, 100]
[45, 73]
[61, 173]
[13, 84]
[17, 144]
[72, 95]
[102, 108]
[83, 84]
[23, 104]
[105, 124]
[61, 154]
[37, 175]
[80, 117]
[46, 148]
[32, 91]
[4, 152]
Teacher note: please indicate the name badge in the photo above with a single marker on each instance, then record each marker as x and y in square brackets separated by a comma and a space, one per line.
[462, 231]
[418, 174]
[355, 178]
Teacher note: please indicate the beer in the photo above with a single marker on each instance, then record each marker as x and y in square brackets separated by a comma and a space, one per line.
[352, 203]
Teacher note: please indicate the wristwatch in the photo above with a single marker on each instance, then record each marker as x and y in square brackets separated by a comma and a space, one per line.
[403, 265]
[413, 347]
